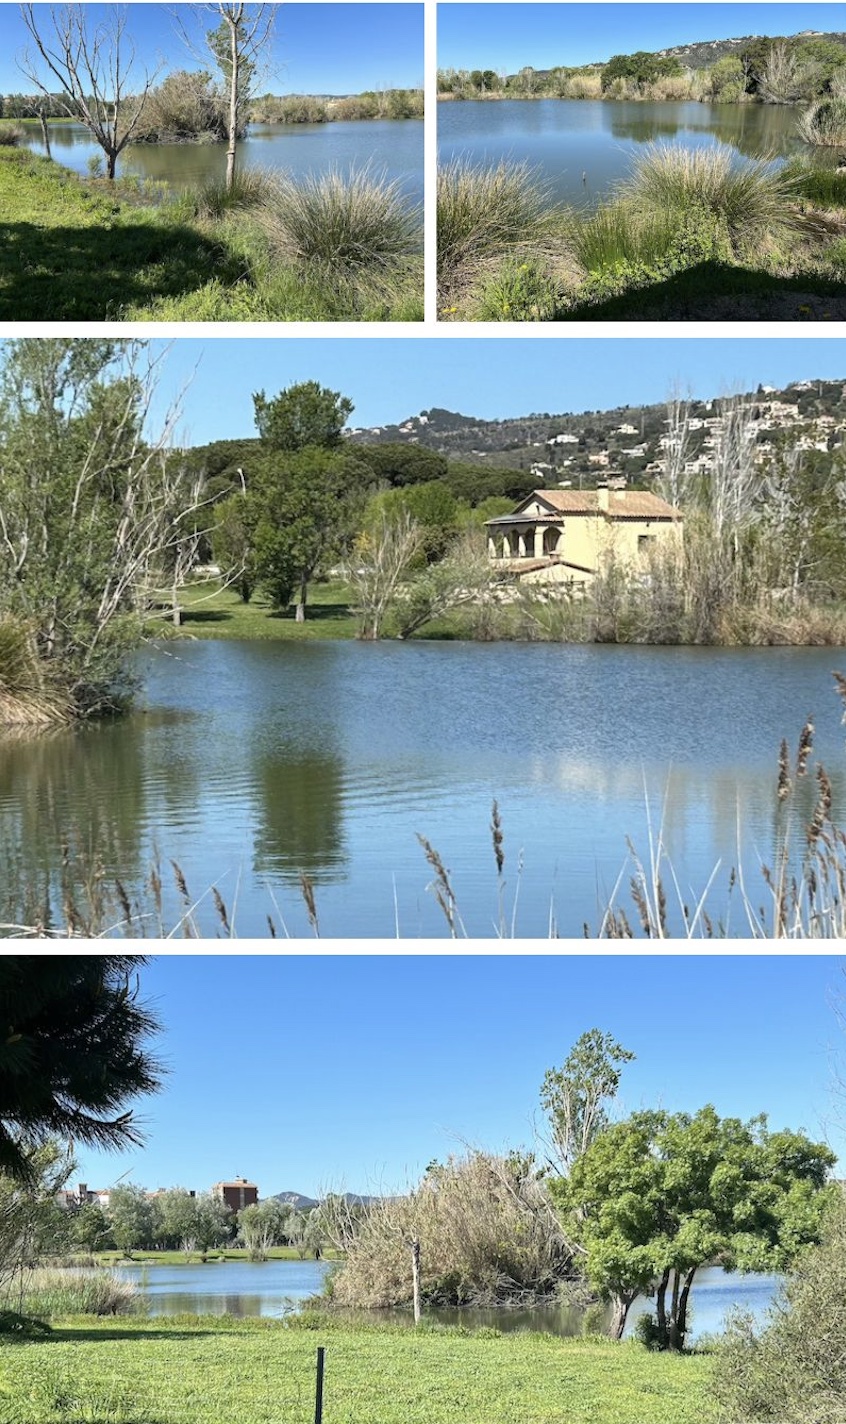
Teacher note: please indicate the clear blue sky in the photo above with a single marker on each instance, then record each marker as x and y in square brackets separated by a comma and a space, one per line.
[317, 47]
[508, 36]
[306, 1073]
[391, 378]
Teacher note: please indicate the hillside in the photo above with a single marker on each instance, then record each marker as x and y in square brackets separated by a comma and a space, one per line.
[625, 439]
[702, 54]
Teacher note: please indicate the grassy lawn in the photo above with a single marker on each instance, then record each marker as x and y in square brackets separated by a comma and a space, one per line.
[194, 1258]
[212, 612]
[75, 249]
[220, 1371]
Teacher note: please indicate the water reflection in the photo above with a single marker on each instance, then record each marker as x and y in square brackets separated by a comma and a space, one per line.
[567, 138]
[391, 146]
[255, 762]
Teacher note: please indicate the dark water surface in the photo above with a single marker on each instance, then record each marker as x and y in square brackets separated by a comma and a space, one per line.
[583, 147]
[274, 1288]
[393, 147]
[250, 763]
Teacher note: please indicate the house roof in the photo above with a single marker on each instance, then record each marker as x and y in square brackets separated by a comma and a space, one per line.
[622, 504]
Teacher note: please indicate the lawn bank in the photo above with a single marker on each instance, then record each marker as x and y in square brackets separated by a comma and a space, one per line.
[156, 258]
[215, 1370]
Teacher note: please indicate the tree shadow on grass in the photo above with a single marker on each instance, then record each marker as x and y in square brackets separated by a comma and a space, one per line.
[716, 291]
[208, 615]
[60, 1334]
[95, 273]
[315, 613]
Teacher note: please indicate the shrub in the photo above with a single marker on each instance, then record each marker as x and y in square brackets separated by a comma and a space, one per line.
[185, 105]
[794, 1371]
[751, 197]
[343, 225]
[10, 135]
[487, 1232]
[824, 123]
[26, 696]
[519, 291]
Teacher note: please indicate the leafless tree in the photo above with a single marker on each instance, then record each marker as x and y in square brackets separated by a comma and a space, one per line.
[674, 482]
[237, 45]
[380, 560]
[91, 63]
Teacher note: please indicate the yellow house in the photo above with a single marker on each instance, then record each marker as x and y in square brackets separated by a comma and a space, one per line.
[564, 536]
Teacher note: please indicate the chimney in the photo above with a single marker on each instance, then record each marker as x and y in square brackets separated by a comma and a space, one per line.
[602, 498]
[82, 1193]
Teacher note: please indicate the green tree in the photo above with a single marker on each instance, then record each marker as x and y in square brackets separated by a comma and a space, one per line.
[431, 506]
[302, 415]
[92, 512]
[232, 544]
[214, 1222]
[641, 68]
[29, 1225]
[89, 1229]
[73, 1052]
[263, 1225]
[174, 1218]
[131, 1218]
[399, 464]
[658, 1195]
[306, 509]
[575, 1096]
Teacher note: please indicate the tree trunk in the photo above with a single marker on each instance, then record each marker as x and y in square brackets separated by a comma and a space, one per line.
[661, 1309]
[415, 1277]
[620, 1309]
[681, 1315]
[111, 157]
[233, 106]
[45, 132]
[300, 614]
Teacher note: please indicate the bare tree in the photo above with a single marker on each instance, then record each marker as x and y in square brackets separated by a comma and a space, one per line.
[91, 63]
[237, 45]
[380, 560]
[673, 483]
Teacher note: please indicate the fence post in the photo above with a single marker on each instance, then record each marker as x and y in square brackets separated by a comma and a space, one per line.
[318, 1397]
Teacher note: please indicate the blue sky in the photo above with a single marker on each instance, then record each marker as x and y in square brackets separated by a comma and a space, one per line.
[391, 378]
[508, 36]
[306, 1073]
[317, 47]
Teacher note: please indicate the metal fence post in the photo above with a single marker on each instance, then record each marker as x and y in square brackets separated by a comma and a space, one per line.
[318, 1397]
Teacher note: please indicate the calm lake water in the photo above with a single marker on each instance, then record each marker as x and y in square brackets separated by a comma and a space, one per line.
[583, 147]
[275, 1288]
[249, 763]
[393, 147]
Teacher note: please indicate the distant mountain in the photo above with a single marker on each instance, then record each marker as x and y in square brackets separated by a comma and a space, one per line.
[301, 1203]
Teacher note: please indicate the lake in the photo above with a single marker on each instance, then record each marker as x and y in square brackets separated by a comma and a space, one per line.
[250, 763]
[393, 147]
[583, 147]
[275, 1288]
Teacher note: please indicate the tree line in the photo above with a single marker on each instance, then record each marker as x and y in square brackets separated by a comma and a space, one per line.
[776, 70]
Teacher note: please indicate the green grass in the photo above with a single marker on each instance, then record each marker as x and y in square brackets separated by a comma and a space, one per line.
[212, 612]
[178, 1258]
[158, 261]
[213, 1371]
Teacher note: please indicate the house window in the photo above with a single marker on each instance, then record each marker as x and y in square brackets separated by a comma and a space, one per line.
[643, 542]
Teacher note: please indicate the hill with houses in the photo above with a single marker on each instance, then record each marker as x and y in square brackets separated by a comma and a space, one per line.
[626, 441]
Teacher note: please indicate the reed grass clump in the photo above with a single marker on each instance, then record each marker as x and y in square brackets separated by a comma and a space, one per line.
[214, 199]
[340, 224]
[49, 1292]
[11, 135]
[617, 233]
[751, 198]
[488, 212]
[824, 123]
[26, 697]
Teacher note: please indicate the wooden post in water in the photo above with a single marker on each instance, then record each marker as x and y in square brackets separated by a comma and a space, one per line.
[415, 1276]
[318, 1394]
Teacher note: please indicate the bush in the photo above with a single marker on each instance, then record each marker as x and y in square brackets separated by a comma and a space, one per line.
[11, 135]
[519, 291]
[487, 1234]
[794, 1371]
[824, 123]
[185, 106]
